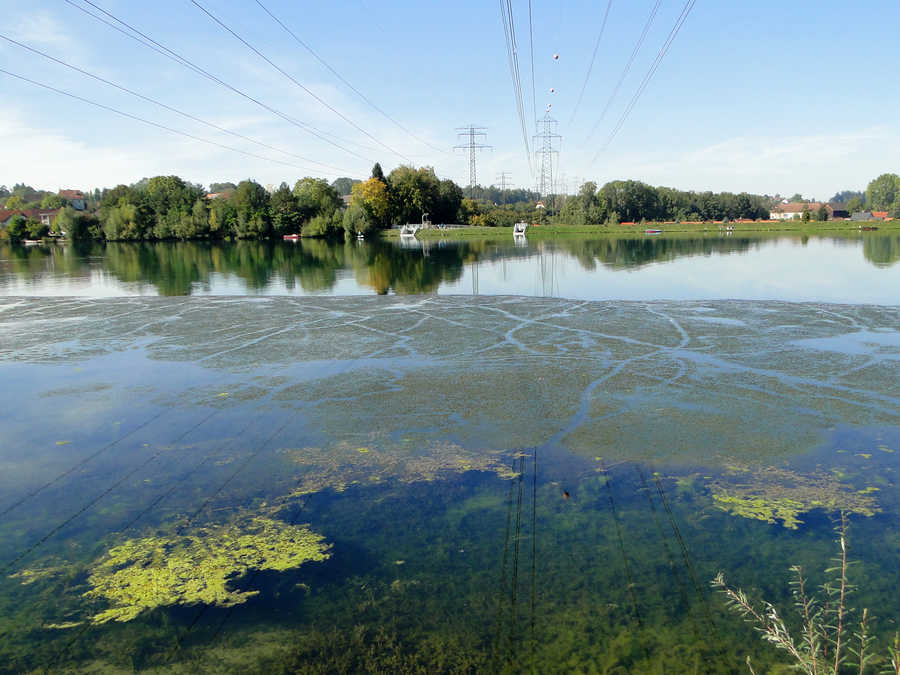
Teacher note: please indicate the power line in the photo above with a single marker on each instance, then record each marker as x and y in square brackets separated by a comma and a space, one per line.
[344, 80]
[472, 133]
[161, 49]
[149, 122]
[531, 51]
[591, 65]
[512, 53]
[679, 22]
[628, 65]
[167, 107]
[296, 82]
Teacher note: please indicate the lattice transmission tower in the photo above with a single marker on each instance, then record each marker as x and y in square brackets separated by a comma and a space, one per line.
[545, 146]
[472, 134]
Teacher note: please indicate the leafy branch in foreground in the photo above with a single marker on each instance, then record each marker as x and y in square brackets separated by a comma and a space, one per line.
[828, 640]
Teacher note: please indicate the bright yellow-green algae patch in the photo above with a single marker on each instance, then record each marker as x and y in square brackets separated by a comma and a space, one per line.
[772, 494]
[152, 572]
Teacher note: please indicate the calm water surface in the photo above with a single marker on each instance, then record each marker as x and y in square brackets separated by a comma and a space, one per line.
[440, 484]
[857, 269]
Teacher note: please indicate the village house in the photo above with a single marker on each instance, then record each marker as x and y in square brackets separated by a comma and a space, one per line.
[792, 209]
[43, 216]
[75, 198]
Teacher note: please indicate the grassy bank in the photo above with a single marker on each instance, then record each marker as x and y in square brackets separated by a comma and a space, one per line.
[830, 227]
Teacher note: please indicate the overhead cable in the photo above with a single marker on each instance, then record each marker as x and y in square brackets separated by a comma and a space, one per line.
[593, 59]
[161, 49]
[151, 123]
[531, 52]
[290, 77]
[167, 107]
[679, 22]
[628, 65]
[344, 80]
[512, 53]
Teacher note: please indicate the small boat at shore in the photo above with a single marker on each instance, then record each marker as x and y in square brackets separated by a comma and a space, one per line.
[292, 237]
[519, 229]
[652, 231]
[409, 230]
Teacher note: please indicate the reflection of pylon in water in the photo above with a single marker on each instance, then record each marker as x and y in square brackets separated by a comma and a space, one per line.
[508, 602]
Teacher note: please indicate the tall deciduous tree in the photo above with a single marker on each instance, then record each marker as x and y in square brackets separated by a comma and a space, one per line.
[883, 192]
[372, 197]
[286, 217]
[251, 205]
[316, 197]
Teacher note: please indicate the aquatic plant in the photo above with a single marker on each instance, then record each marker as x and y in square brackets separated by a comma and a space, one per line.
[344, 465]
[773, 494]
[829, 640]
[151, 572]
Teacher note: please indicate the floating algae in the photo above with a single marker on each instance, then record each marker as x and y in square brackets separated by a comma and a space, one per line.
[152, 572]
[341, 466]
[772, 494]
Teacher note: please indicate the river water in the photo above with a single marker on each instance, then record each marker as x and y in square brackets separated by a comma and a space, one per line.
[536, 459]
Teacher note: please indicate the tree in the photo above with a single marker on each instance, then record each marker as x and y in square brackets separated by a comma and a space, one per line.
[449, 200]
[822, 214]
[16, 230]
[378, 174]
[797, 198]
[855, 204]
[372, 197]
[357, 218]
[343, 185]
[251, 205]
[845, 196]
[413, 192]
[883, 192]
[316, 197]
[806, 216]
[221, 187]
[286, 217]
[53, 202]
[14, 203]
[36, 229]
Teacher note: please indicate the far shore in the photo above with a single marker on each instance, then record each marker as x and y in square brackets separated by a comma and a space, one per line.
[640, 229]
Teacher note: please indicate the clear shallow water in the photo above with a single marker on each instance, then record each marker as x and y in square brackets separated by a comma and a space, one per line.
[857, 269]
[502, 483]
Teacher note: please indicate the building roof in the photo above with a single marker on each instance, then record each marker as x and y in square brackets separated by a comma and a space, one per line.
[71, 194]
[6, 214]
[879, 214]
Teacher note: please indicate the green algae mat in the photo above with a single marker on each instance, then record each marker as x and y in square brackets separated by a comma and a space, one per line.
[434, 484]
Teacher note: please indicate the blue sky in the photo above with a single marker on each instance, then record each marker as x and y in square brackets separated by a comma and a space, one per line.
[769, 97]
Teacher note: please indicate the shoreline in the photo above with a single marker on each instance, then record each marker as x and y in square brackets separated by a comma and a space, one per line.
[706, 229]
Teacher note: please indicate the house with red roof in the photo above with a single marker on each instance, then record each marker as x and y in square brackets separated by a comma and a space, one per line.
[75, 198]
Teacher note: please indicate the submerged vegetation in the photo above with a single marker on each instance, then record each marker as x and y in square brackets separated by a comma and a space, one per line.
[774, 494]
[143, 574]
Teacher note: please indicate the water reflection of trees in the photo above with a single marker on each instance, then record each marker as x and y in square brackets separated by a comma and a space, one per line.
[881, 250]
[182, 268]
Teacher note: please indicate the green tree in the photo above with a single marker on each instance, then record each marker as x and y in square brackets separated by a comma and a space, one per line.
[36, 229]
[16, 230]
[822, 214]
[378, 173]
[251, 205]
[286, 218]
[855, 204]
[53, 202]
[414, 192]
[221, 187]
[15, 203]
[343, 185]
[883, 192]
[316, 197]
[357, 219]
[125, 221]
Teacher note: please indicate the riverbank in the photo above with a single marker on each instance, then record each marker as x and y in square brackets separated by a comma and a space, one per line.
[712, 229]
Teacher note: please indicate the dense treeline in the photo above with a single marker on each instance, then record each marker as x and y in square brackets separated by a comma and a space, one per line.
[167, 207]
[633, 201]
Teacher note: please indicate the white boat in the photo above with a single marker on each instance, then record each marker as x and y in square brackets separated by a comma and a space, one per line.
[409, 230]
[519, 229]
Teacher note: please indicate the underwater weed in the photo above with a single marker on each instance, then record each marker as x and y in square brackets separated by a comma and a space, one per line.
[824, 646]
